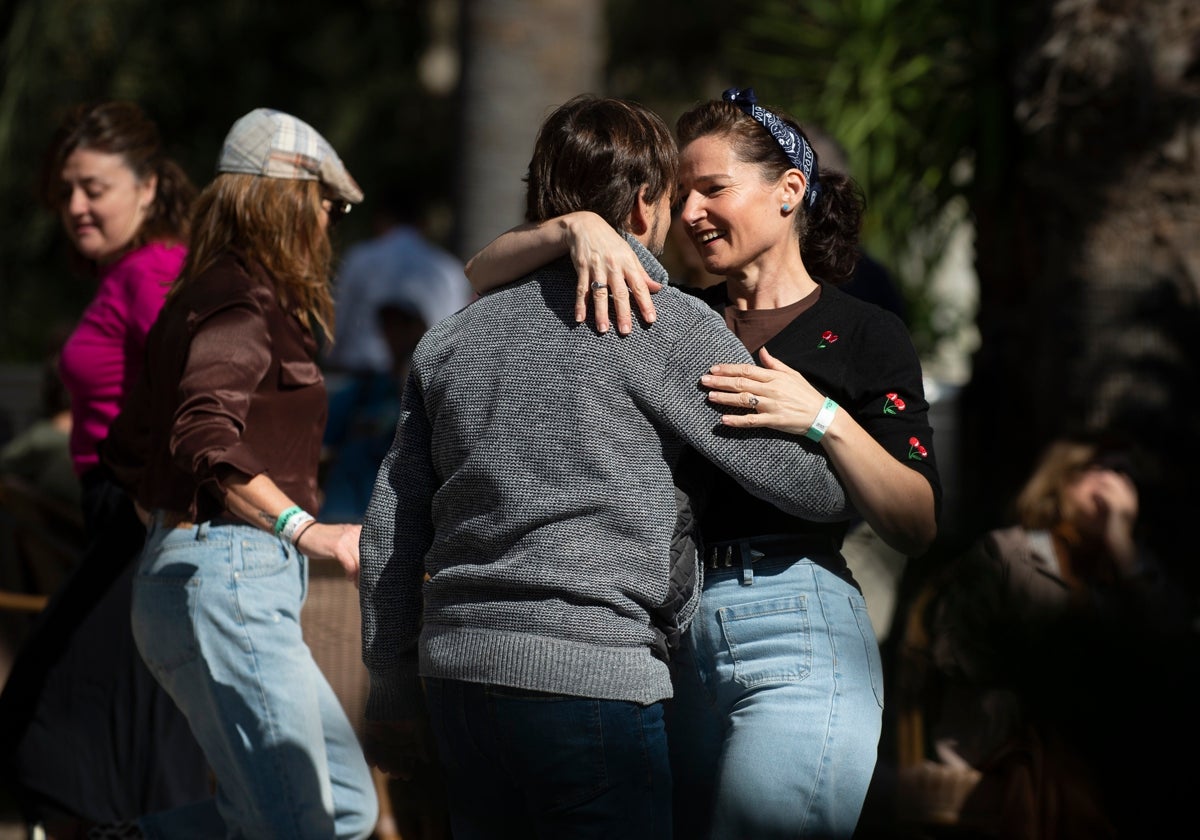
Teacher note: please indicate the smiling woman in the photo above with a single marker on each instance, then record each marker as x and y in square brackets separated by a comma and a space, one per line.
[124, 207]
[778, 684]
[103, 202]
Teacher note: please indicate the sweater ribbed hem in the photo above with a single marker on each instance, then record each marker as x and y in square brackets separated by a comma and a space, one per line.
[541, 663]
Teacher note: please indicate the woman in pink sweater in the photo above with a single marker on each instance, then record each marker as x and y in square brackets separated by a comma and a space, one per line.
[124, 205]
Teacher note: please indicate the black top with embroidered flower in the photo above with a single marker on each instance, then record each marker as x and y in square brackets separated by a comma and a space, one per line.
[860, 355]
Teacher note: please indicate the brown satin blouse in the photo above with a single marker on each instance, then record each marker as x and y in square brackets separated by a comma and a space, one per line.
[230, 388]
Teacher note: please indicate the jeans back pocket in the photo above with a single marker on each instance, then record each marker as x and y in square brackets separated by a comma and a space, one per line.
[769, 641]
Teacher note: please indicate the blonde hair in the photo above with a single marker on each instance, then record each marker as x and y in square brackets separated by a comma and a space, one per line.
[275, 222]
[1039, 504]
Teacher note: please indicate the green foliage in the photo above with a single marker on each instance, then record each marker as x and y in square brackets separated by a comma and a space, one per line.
[350, 69]
[890, 79]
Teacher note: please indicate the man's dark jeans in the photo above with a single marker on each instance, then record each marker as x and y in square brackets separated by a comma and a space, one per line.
[522, 764]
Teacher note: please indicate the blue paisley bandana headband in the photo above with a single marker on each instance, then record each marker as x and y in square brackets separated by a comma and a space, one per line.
[791, 141]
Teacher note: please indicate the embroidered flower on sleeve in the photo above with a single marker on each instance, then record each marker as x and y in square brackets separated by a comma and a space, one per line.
[916, 451]
[827, 338]
[893, 403]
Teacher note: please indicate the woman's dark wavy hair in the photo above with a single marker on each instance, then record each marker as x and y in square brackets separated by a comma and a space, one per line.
[828, 231]
[123, 128]
[594, 154]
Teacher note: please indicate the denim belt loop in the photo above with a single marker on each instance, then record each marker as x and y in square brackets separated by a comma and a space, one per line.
[747, 564]
[750, 556]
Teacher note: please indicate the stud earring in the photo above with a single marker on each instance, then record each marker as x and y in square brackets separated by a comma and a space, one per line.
[787, 207]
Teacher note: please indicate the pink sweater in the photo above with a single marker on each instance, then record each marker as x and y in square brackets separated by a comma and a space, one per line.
[103, 357]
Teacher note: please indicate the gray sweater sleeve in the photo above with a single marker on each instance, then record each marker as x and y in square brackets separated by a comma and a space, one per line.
[397, 531]
[789, 471]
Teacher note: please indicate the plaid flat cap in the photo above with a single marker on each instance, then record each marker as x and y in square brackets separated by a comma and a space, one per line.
[277, 145]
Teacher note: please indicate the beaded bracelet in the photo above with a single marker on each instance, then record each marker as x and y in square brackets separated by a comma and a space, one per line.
[301, 531]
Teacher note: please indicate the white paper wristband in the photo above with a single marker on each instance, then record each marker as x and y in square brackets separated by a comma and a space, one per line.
[294, 525]
[821, 422]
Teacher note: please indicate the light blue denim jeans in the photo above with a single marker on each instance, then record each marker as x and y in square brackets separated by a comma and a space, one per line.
[774, 729]
[216, 616]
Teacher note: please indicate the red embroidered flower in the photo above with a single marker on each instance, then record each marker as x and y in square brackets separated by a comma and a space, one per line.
[827, 338]
[915, 450]
[893, 403]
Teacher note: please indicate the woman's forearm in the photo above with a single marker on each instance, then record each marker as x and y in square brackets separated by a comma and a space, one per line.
[895, 500]
[608, 271]
[256, 500]
[259, 501]
[517, 252]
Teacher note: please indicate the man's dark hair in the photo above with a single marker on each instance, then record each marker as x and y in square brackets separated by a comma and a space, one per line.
[594, 154]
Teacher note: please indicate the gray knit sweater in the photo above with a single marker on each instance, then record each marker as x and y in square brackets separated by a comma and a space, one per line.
[531, 479]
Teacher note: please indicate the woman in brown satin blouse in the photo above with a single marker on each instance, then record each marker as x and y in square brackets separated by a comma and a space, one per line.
[219, 443]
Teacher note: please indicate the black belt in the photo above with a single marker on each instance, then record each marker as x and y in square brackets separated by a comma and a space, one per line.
[745, 553]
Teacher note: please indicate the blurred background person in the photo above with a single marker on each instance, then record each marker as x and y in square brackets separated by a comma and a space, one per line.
[40, 454]
[220, 442]
[1005, 670]
[41, 524]
[400, 260]
[388, 291]
[87, 732]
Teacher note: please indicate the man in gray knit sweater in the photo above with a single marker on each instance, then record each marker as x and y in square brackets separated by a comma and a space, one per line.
[517, 550]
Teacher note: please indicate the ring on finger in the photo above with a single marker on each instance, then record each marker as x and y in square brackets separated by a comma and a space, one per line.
[597, 285]
[754, 402]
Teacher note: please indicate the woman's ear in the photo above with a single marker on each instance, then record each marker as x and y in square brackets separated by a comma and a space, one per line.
[793, 187]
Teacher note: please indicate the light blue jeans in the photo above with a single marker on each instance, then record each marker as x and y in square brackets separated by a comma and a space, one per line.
[774, 729]
[216, 616]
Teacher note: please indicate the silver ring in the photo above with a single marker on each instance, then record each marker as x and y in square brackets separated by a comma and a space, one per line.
[597, 285]
[754, 402]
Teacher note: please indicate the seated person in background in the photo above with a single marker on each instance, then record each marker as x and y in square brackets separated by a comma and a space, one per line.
[1022, 631]
[1074, 542]
[40, 455]
[41, 524]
